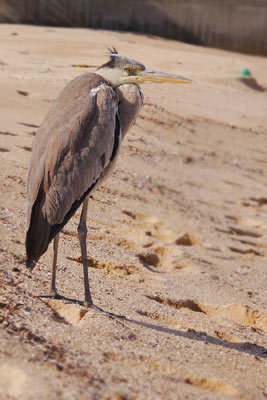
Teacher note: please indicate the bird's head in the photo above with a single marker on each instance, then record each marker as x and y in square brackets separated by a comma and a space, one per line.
[120, 70]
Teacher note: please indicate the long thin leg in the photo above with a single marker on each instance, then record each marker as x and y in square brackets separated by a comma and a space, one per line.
[53, 290]
[82, 232]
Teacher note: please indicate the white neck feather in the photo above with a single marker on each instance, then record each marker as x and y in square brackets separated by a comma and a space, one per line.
[111, 75]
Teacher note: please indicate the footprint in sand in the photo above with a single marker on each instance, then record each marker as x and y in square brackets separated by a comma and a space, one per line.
[239, 314]
[213, 385]
[163, 252]
[248, 222]
[69, 313]
[244, 234]
[247, 251]
[162, 258]
[210, 384]
[108, 267]
[151, 219]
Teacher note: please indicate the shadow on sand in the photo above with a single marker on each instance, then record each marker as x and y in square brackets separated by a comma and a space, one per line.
[244, 347]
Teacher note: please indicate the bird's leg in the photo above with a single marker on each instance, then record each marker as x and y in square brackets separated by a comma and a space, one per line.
[53, 290]
[82, 232]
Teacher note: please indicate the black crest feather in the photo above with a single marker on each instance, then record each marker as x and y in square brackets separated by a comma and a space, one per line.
[112, 59]
[113, 50]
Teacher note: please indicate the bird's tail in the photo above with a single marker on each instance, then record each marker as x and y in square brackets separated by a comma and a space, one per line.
[37, 236]
[30, 264]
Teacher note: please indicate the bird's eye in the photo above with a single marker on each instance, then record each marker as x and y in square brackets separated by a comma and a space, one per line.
[129, 70]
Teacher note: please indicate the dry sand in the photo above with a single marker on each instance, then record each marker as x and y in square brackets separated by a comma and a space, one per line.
[177, 237]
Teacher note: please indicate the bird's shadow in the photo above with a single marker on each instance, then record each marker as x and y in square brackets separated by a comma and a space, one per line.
[243, 347]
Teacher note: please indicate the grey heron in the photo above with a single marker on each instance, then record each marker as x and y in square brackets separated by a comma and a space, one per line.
[76, 148]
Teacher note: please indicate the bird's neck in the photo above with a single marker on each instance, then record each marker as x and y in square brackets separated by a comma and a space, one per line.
[112, 76]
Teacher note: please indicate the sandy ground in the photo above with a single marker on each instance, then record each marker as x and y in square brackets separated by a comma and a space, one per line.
[177, 239]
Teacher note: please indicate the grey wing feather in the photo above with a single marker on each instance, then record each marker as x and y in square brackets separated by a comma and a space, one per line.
[68, 152]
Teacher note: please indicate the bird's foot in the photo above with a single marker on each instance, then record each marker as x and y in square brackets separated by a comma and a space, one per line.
[30, 264]
[54, 294]
[88, 304]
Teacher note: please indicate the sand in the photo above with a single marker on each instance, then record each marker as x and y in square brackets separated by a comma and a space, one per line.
[177, 238]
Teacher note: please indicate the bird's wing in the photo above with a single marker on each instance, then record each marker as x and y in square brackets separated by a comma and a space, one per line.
[73, 146]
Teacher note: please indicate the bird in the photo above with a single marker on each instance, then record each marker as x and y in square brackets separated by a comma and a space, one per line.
[76, 149]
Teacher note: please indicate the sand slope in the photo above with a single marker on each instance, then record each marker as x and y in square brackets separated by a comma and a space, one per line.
[177, 239]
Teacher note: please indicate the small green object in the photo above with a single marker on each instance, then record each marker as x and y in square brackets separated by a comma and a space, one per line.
[245, 72]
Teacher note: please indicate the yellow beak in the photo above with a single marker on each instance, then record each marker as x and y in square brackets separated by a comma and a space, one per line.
[160, 77]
